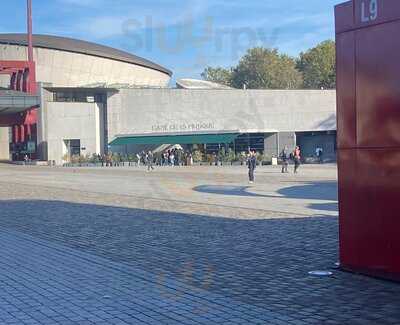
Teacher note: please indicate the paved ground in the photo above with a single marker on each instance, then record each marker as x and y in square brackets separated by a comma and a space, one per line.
[178, 246]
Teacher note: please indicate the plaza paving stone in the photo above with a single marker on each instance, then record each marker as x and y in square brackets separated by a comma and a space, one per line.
[71, 257]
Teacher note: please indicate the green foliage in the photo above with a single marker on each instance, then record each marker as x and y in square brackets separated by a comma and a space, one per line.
[318, 66]
[116, 158]
[197, 156]
[259, 157]
[132, 158]
[267, 158]
[219, 75]
[263, 68]
[231, 156]
[94, 159]
[222, 155]
[242, 157]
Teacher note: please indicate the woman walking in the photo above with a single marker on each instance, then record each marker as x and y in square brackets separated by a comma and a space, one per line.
[297, 159]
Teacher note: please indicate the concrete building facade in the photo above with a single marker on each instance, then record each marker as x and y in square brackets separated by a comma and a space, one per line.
[4, 144]
[278, 118]
[94, 98]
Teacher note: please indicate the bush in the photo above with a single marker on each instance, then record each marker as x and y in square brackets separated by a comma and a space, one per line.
[198, 156]
[231, 156]
[94, 159]
[267, 158]
[66, 158]
[75, 159]
[222, 156]
[132, 158]
[242, 157]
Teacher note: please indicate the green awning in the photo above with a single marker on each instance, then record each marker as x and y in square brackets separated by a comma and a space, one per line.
[176, 139]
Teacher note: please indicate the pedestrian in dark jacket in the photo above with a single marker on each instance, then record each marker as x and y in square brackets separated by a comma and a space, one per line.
[252, 164]
[285, 160]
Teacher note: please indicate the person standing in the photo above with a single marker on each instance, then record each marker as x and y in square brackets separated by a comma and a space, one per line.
[190, 159]
[319, 153]
[150, 161]
[251, 164]
[297, 159]
[285, 159]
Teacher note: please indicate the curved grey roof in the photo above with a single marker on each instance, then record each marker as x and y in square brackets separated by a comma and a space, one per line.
[199, 84]
[79, 46]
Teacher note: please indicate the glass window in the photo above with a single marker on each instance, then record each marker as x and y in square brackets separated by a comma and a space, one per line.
[73, 147]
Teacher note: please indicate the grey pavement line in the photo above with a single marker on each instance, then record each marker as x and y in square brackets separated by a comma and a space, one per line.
[182, 202]
[131, 271]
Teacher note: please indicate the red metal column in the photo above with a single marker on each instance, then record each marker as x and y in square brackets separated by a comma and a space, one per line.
[29, 24]
[22, 133]
[15, 134]
[368, 100]
[13, 81]
[19, 80]
[22, 78]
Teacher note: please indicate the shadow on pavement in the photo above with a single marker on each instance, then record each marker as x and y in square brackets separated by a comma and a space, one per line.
[325, 206]
[260, 262]
[227, 190]
[326, 191]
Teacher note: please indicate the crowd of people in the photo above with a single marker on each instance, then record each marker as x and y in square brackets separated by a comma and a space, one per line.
[171, 157]
[294, 156]
[180, 157]
[285, 157]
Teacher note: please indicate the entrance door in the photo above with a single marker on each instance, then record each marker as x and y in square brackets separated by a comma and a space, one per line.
[73, 147]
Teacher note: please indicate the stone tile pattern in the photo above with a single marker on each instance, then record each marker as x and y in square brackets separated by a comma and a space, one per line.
[260, 264]
[46, 283]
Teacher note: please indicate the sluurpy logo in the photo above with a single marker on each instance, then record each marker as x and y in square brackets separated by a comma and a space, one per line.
[191, 278]
[207, 41]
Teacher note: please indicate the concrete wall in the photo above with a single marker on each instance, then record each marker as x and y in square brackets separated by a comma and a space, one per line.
[67, 69]
[275, 142]
[4, 144]
[45, 97]
[135, 111]
[67, 121]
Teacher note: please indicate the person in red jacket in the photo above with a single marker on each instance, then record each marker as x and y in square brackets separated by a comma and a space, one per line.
[296, 158]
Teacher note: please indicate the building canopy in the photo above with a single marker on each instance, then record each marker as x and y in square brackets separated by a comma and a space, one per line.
[12, 102]
[175, 139]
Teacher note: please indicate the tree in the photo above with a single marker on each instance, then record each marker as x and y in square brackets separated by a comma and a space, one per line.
[219, 75]
[263, 68]
[318, 66]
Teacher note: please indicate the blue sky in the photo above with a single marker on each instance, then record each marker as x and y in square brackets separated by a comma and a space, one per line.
[184, 36]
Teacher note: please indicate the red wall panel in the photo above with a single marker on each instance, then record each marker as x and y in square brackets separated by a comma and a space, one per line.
[346, 83]
[378, 86]
[368, 90]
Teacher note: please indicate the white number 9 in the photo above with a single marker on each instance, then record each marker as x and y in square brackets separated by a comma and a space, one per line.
[373, 9]
[369, 13]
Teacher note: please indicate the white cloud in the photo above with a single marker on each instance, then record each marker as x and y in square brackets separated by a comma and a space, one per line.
[100, 24]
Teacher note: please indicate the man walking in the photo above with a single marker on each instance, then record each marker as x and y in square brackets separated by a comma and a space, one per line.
[285, 160]
[252, 163]
[150, 161]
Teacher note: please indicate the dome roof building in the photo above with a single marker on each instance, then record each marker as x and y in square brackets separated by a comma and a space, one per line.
[67, 62]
